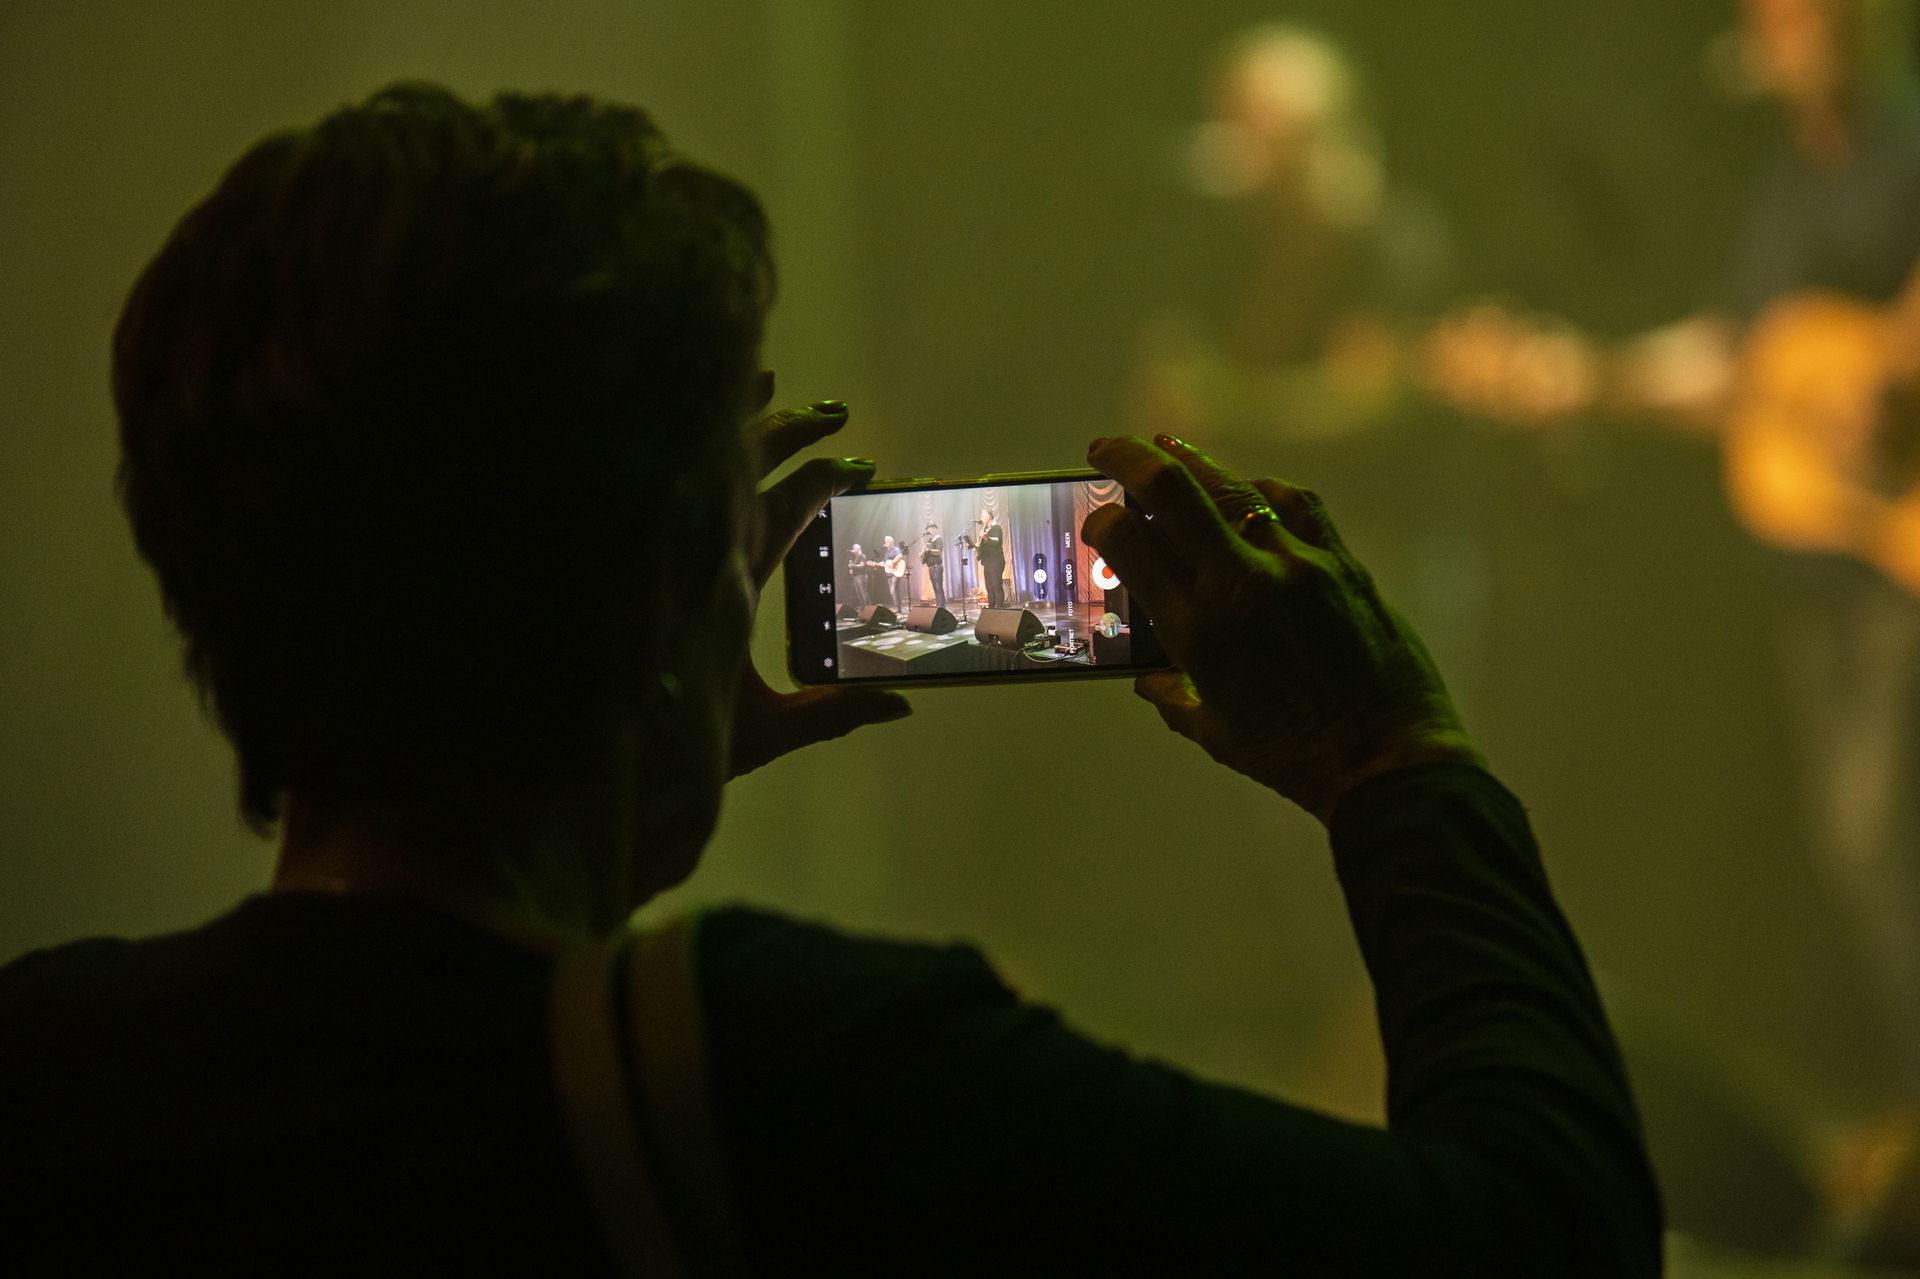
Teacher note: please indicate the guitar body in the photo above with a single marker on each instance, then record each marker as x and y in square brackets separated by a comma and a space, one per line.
[1820, 435]
[1804, 446]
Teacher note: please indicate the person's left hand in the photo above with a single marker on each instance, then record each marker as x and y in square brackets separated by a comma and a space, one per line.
[767, 723]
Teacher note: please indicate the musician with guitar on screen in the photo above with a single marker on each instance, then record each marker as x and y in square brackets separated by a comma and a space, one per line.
[893, 562]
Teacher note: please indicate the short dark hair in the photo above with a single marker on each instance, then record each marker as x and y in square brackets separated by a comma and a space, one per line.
[391, 401]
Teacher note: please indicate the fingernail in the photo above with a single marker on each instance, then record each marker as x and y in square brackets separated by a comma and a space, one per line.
[1169, 441]
[860, 463]
[1097, 445]
[829, 408]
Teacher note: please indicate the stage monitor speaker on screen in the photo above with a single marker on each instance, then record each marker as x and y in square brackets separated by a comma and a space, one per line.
[932, 620]
[1008, 627]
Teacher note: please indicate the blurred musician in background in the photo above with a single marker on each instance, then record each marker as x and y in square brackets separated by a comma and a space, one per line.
[1809, 375]
[1806, 375]
[1821, 461]
[1299, 279]
[1295, 311]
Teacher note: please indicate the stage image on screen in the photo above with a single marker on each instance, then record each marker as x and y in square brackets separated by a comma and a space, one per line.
[982, 581]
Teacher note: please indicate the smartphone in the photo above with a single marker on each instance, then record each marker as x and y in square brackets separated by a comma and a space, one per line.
[962, 582]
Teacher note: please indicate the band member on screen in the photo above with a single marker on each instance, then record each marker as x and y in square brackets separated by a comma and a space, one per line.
[993, 558]
[857, 563]
[893, 561]
[934, 556]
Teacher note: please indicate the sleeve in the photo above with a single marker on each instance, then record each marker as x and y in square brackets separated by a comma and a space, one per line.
[894, 1108]
[1502, 1070]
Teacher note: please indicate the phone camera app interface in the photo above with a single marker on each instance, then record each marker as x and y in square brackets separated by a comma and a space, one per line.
[986, 581]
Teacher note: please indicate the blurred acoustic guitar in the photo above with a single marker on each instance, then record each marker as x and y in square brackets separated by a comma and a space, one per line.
[1819, 419]
[1820, 447]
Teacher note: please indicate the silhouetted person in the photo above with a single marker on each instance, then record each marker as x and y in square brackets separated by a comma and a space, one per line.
[489, 718]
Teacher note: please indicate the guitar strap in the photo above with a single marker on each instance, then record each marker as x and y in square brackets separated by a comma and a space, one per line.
[630, 1072]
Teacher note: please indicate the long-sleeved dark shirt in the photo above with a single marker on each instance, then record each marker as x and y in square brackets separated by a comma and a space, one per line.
[345, 1084]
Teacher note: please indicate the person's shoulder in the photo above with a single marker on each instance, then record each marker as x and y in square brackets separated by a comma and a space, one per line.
[750, 943]
[107, 971]
[56, 968]
[793, 982]
[59, 1007]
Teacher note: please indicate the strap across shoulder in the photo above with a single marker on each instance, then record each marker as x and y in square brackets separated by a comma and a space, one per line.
[629, 1059]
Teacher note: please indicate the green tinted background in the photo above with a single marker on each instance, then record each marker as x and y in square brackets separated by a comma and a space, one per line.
[967, 198]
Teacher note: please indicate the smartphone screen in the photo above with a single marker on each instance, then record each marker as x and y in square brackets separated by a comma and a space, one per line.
[961, 581]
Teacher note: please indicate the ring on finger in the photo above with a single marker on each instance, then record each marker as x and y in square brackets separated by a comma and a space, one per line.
[1257, 516]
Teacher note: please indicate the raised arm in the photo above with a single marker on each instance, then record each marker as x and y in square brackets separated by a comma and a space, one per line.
[896, 1108]
[1294, 671]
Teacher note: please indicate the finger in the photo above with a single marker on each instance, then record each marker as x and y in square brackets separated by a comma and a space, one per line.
[814, 715]
[787, 507]
[1302, 514]
[1166, 688]
[1137, 554]
[1173, 695]
[1244, 506]
[1232, 496]
[1163, 487]
[785, 432]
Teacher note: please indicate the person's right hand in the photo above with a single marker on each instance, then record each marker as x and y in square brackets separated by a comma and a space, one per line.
[1290, 667]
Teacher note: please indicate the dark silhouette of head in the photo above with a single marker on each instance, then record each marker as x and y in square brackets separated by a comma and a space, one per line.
[412, 408]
